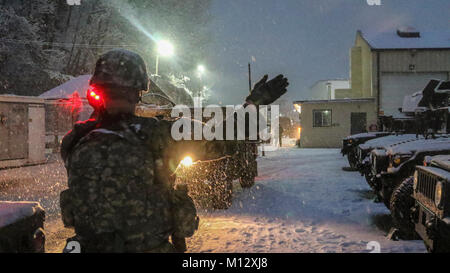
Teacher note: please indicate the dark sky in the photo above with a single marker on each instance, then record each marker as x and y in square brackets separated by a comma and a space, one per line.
[306, 40]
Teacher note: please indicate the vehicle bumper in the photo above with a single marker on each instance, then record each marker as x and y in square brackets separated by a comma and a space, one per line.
[434, 231]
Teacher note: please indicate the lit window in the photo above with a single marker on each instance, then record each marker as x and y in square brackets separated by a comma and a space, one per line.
[322, 118]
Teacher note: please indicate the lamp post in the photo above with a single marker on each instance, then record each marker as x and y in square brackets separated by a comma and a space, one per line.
[165, 49]
[200, 71]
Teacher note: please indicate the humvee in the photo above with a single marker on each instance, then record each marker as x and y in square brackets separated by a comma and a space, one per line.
[350, 145]
[364, 152]
[207, 170]
[431, 209]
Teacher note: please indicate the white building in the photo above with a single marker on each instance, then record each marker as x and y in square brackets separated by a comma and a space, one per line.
[325, 89]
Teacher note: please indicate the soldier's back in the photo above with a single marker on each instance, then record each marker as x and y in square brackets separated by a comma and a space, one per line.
[114, 190]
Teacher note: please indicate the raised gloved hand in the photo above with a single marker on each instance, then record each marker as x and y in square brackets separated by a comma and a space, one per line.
[265, 92]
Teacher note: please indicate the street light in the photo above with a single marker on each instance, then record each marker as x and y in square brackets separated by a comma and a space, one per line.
[201, 69]
[165, 49]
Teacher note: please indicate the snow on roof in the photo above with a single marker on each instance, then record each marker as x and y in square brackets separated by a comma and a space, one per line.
[392, 40]
[79, 84]
[384, 142]
[437, 144]
[11, 212]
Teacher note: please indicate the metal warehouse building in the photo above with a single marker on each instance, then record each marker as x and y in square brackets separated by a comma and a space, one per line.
[384, 67]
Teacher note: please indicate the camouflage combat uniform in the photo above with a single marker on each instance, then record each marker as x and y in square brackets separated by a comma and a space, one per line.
[121, 195]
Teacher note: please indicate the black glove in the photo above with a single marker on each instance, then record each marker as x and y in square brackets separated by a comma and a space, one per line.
[265, 92]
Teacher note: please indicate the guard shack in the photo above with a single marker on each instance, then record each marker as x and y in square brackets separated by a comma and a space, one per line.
[22, 131]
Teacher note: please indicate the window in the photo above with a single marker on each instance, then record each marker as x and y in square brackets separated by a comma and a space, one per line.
[321, 118]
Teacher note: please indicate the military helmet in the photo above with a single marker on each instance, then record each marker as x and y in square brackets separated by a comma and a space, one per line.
[120, 67]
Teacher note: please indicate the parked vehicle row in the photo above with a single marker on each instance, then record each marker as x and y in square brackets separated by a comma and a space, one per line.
[409, 172]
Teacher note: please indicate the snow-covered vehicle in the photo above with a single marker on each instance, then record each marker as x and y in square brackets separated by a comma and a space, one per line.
[210, 181]
[350, 145]
[208, 170]
[395, 188]
[21, 227]
[431, 211]
[405, 156]
[364, 151]
[422, 112]
[378, 160]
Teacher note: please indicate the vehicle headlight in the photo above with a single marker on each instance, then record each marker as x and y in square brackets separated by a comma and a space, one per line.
[350, 141]
[416, 176]
[187, 161]
[397, 160]
[438, 195]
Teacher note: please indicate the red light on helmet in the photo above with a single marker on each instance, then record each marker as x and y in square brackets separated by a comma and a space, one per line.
[94, 97]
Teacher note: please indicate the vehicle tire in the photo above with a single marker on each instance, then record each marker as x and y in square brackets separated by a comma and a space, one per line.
[222, 196]
[351, 156]
[247, 181]
[400, 205]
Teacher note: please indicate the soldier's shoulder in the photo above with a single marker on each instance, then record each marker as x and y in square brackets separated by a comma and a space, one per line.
[150, 123]
[80, 129]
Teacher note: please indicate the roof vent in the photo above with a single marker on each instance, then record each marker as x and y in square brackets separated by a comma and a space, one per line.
[408, 32]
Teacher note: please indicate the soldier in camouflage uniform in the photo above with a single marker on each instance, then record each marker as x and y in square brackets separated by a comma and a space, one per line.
[121, 195]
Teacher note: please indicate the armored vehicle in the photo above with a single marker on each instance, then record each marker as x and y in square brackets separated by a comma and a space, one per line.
[364, 151]
[395, 184]
[350, 145]
[422, 113]
[431, 203]
[207, 169]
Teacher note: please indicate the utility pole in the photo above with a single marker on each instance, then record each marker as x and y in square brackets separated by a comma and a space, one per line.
[249, 78]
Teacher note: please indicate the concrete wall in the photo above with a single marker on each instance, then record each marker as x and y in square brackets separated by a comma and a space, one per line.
[331, 137]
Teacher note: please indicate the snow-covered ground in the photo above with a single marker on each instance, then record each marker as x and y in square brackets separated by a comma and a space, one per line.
[302, 202]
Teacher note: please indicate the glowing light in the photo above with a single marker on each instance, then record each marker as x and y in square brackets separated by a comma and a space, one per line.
[93, 94]
[165, 48]
[97, 97]
[299, 132]
[201, 68]
[187, 161]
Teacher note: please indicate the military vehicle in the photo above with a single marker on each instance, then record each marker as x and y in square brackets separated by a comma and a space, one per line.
[365, 158]
[401, 161]
[350, 145]
[393, 167]
[207, 169]
[431, 203]
[411, 119]
[21, 227]
[210, 181]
